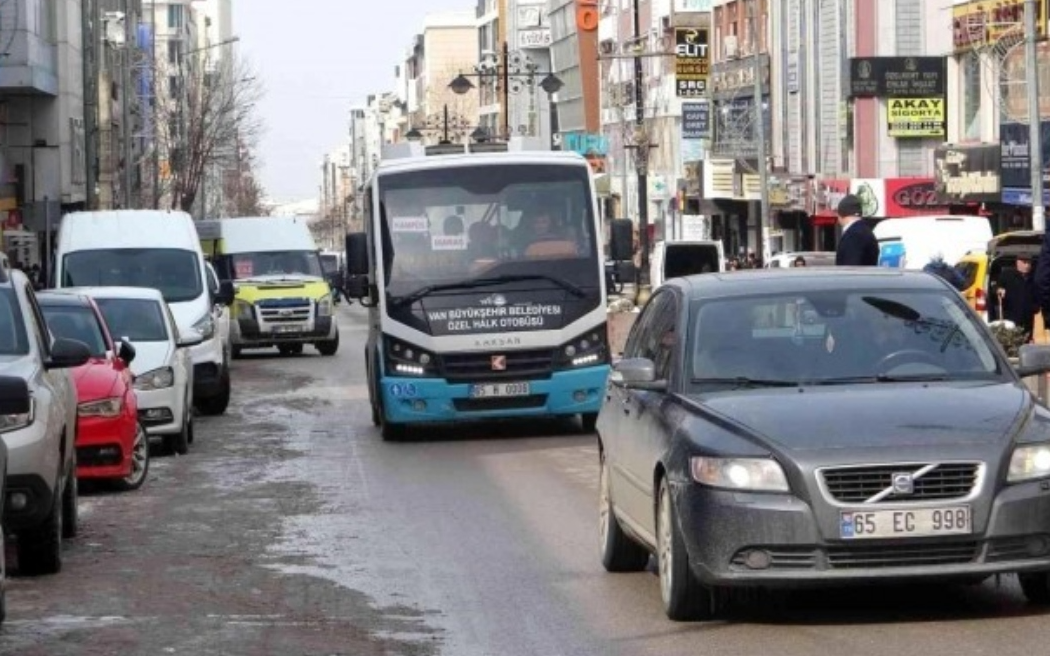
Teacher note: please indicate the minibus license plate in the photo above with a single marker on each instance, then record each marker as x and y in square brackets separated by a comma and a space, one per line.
[499, 390]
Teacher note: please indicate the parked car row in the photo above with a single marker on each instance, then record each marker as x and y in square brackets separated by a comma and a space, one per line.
[131, 342]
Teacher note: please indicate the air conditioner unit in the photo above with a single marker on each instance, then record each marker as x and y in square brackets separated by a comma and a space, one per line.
[607, 47]
[730, 45]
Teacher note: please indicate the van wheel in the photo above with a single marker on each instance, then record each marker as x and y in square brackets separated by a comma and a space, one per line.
[70, 511]
[40, 550]
[329, 347]
[216, 405]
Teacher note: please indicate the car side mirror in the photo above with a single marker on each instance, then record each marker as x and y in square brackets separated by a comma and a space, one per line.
[126, 351]
[1034, 360]
[189, 338]
[14, 396]
[357, 254]
[226, 293]
[67, 353]
[637, 373]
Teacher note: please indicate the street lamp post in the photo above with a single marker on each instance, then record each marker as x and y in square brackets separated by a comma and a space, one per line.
[448, 125]
[513, 69]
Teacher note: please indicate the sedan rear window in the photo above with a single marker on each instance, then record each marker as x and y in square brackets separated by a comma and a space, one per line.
[838, 336]
[138, 320]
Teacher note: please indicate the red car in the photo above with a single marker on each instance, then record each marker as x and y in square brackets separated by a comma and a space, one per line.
[111, 443]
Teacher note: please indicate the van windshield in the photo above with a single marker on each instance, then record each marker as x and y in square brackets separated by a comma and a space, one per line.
[174, 272]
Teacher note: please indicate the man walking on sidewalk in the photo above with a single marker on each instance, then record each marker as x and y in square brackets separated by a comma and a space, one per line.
[857, 244]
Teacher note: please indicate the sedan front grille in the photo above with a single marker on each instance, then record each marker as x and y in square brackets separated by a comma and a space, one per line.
[875, 483]
[902, 555]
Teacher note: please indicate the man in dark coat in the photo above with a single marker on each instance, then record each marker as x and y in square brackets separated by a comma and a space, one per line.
[857, 245]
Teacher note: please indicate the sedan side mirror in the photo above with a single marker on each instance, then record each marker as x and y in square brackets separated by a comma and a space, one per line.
[226, 293]
[1034, 360]
[67, 353]
[126, 351]
[638, 373]
[14, 396]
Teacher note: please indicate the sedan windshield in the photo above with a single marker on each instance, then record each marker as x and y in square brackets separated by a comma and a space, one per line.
[837, 337]
[138, 320]
[78, 323]
[176, 273]
[458, 223]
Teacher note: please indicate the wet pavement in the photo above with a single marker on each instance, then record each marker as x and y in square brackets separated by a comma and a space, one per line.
[292, 529]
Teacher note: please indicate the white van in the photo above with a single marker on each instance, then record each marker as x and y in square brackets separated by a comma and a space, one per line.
[673, 259]
[912, 242]
[160, 250]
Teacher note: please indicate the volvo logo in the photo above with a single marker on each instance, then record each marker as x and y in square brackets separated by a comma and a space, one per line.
[903, 483]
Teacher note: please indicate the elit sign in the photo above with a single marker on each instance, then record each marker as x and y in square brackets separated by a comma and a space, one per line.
[692, 61]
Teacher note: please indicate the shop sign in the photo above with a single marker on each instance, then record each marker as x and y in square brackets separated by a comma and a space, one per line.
[681, 6]
[692, 61]
[872, 195]
[967, 173]
[720, 178]
[917, 117]
[912, 197]
[827, 195]
[696, 120]
[1014, 169]
[899, 77]
[980, 23]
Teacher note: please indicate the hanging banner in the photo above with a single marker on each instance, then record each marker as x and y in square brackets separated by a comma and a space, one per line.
[917, 117]
[692, 61]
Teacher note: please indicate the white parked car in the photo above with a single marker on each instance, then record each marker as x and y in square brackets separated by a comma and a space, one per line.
[163, 366]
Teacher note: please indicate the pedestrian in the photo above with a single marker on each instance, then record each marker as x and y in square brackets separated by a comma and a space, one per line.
[857, 244]
[1017, 294]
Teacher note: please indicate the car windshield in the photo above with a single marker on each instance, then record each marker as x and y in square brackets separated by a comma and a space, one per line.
[276, 263]
[838, 336]
[79, 323]
[13, 338]
[175, 272]
[138, 320]
[457, 223]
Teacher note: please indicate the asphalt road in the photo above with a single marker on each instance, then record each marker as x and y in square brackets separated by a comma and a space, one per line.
[291, 529]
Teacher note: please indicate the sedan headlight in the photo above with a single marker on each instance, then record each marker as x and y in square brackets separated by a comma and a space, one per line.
[324, 306]
[14, 422]
[1029, 462]
[744, 474]
[156, 379]
[104, 408]
[205, 326]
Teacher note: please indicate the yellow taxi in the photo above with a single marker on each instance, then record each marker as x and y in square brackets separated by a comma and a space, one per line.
[973, 267]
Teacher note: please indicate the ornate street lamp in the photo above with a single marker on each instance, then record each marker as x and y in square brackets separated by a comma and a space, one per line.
[446, 124]
[513, 72]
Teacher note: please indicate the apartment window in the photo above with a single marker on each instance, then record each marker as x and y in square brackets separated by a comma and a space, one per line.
[174, 52]
[173, 85]
[176, 16]
[971, 105]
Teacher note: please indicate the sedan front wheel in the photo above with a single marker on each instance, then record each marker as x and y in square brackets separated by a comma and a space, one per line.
[684, 598]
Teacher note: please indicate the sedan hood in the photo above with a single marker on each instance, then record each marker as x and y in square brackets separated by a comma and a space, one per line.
[150, 356]
[95, 380]
[874, 416]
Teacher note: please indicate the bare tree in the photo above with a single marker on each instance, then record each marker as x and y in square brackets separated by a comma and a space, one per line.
[206, 118]
[243, 194]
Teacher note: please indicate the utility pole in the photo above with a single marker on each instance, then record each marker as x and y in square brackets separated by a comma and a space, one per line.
[1035, 143]
[641, 165]
[130, 21]
[760, 137]
[90, 19]
[155, 110]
